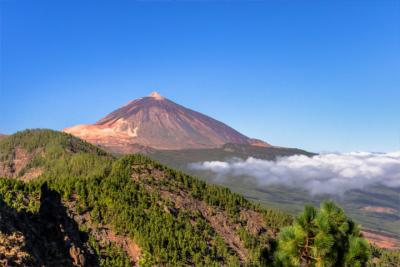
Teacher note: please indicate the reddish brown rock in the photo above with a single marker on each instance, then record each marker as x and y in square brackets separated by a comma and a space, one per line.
[19, 159]
[158, 123]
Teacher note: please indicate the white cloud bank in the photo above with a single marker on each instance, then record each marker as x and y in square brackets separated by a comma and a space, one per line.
[321, 174]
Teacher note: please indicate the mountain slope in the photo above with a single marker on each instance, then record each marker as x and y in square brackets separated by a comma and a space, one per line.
[32, 153]
[87, 208]
[38, 229]
[150, 213]
[161, 124]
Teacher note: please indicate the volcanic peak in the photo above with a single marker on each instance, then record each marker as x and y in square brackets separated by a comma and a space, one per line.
[156, 95]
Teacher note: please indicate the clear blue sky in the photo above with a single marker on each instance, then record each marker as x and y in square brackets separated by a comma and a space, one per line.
[316, 75]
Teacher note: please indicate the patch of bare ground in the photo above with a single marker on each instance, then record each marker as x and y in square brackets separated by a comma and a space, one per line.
[144, 171]
[379, 209]
[381, 240]
[254, 222]
[104, 234]
[12, 251]
[19, 159]
[130, 247]
[32, 174]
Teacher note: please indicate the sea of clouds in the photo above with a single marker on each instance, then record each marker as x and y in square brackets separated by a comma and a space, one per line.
[329, 173]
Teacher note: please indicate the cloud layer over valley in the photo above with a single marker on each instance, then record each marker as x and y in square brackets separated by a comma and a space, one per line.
[331, 173]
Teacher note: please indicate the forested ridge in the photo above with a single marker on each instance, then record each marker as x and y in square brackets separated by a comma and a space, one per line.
[174, 219]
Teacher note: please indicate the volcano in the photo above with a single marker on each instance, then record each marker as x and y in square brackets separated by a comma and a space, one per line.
[155, 122]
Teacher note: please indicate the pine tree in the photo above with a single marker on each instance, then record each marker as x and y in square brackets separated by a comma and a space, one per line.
[322, 238]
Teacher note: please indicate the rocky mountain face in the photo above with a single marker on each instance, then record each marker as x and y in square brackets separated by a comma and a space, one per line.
[155, 122]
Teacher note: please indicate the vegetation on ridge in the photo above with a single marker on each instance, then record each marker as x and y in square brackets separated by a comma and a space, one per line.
[140, 199]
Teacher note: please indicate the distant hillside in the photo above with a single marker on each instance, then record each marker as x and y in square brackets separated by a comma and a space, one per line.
[181, 158]
[37, 152]
[158, 123]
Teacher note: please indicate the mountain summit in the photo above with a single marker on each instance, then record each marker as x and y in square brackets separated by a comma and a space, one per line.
[157, 122]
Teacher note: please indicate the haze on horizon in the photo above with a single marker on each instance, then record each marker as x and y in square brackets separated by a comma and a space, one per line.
[317, 76]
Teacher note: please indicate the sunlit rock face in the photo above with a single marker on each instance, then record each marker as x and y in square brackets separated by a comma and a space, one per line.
[158, 123]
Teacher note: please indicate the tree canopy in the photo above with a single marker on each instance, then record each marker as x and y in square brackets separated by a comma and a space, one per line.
[324, 237]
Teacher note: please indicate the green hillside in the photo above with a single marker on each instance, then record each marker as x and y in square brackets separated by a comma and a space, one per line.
[85, 207]
[167, 232]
